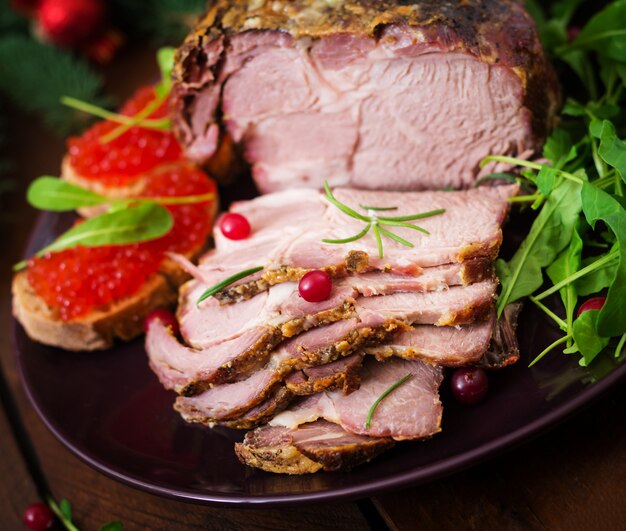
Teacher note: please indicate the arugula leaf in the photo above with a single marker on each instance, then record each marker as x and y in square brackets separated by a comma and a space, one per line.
[566, 264]
[599, 279]
[57, 195]
[547, 179]
[550, 233]
[559, 148]
[588, 341]
[605, 32]
[612, 149]
[599, 205]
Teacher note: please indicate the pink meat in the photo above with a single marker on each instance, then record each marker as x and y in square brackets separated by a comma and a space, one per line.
[412, 411]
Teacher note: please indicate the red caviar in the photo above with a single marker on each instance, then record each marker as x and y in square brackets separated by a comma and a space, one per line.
[192, 222]
[124, 159]
[78, 280]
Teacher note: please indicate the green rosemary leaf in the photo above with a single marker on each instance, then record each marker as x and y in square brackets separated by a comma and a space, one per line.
[395, 237]
[378, 209]
[414, 217]
[379, 240]
[227, 282]
[400, 382]
[351, 238]
[402, 224]
[344, 208]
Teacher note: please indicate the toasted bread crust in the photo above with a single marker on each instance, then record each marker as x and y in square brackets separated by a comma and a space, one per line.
[97, 330]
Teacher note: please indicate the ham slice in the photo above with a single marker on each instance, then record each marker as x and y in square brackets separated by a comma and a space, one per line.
[412, 411]
[188, 370]
[311, 447]
[288, 242]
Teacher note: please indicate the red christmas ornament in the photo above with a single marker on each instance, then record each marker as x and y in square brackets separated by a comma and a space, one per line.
[70, 22]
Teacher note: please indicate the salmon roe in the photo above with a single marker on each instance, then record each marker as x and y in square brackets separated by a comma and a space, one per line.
[192, 222]
[77, 280]
[122, 160]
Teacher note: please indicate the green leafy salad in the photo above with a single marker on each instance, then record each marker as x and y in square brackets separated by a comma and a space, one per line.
[572, 263]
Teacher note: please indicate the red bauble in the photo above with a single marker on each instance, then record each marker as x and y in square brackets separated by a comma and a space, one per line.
[71, 22]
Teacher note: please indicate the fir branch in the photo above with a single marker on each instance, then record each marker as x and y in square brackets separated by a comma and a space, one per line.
[25, 64]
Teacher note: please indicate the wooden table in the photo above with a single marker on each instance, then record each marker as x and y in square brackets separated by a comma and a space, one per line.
[573, 478]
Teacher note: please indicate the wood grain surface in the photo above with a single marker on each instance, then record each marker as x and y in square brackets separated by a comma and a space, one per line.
[572, 478]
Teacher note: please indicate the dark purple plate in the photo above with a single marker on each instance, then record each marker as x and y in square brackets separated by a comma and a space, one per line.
[109, 409]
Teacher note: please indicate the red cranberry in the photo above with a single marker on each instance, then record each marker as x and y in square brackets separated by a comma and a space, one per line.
[38, 516]
[235, 226]
[595, 303]
[165, 316]
[469, 385]
[315, 286]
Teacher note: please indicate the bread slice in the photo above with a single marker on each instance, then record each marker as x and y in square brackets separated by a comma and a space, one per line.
[123, 319]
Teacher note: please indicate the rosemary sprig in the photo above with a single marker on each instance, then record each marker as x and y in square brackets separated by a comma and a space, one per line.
[400, 382]
[377, 223]
[378, 209]
[227, 282]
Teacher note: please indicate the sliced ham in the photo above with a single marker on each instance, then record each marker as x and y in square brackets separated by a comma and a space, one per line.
[311, 447]
[287, 247]
[188, 370]
[450, 346]
[411, 411]
[342, 374]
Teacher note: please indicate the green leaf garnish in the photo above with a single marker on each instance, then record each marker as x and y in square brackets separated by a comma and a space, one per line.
[66, 509]
[414, 217]
[351, 238]
[112, 526]
[162, 124]
[58, 195]
[165, 60]
[391, 389]
[377, 223]
[63, 511]
[146, 221]
[227, 282]
[378, 209]
[577, 243]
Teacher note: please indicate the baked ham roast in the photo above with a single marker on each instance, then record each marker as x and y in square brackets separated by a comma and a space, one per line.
[375, 94]
[258, 353]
